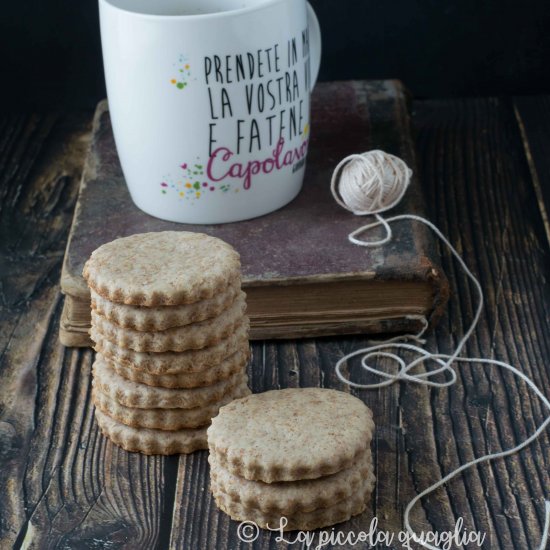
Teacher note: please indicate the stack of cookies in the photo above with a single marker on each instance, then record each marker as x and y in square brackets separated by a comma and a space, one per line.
[171, 334]
[292, 459]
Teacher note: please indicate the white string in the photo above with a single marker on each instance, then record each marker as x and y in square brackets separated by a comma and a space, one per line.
[372, 183]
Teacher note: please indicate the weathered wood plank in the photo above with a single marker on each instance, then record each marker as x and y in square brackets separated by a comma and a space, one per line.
[38, 184]
[533, 116]
[63, 485]
[481, 195]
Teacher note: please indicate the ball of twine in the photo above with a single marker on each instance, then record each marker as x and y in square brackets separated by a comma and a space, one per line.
[370, 183]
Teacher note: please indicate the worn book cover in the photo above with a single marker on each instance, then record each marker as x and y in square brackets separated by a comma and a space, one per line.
[301, 274]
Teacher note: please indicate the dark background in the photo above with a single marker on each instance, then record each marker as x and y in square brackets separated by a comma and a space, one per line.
[51, 56]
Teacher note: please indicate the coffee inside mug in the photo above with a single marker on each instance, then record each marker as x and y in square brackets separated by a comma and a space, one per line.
[184, 7]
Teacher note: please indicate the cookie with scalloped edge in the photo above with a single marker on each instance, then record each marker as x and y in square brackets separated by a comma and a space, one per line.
[289, 497]
[141, 396]
[166, 268]
[290, 434]
[164, 419]
[173, 362]
[151, 442]
[194, 336]
[235, 363]
[164, 317]
[343, 510]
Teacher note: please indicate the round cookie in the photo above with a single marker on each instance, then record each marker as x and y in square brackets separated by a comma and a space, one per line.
[305, 521]
[170, 362]
[289, 497]
[151, 442]
[234, 363]
[164, 419]
[164, 317]
[141, 396]
[290, 434]
[162, 269]
[194, 336]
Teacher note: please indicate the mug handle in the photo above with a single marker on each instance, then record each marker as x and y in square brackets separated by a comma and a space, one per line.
[315, 43]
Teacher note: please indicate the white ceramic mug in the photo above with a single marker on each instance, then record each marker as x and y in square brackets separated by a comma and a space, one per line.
[210, 102]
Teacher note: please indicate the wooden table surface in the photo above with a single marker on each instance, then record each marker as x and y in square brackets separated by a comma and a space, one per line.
[486, 171]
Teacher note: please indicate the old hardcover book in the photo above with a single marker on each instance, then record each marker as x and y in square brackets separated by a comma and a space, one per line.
[301, 274]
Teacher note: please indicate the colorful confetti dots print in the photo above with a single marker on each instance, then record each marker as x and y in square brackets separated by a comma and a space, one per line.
[181, 81]
[191, 185]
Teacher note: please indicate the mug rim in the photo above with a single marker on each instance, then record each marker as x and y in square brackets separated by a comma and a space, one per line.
[195, 16]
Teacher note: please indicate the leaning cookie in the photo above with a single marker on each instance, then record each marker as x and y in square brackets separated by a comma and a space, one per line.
[289, 497]
[235, 363]
[164, 317]
[151, 442]
[170, 362]
[141, 396]
[355, 504]
[164, 419]
[194, 336]
[290, 434]
[162, 269]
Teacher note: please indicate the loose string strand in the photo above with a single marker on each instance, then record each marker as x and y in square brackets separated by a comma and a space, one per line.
[372, 183]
